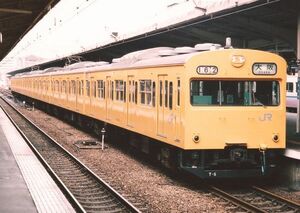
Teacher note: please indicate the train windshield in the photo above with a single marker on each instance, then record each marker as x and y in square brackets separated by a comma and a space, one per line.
[234, 93]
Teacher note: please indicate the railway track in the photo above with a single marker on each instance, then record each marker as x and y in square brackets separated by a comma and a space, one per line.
[254, 199]
[85, 190]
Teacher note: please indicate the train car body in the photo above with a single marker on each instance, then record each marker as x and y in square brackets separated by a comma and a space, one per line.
[291, 93]
[221, 113]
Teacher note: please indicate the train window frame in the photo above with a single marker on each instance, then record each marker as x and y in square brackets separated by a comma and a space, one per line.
[252, 92]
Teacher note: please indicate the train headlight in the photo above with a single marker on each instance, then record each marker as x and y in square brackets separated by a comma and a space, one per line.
[275, 138]
[196, 138]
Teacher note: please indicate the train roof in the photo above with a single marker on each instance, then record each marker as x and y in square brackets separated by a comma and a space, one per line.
[159, 56]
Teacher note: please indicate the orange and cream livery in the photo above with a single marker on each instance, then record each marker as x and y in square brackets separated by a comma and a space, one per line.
[210, 111]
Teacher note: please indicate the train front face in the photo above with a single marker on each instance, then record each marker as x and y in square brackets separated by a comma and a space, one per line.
[235, 113]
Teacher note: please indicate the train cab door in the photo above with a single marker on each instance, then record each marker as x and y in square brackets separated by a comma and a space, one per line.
[131, 107]
[161, 109]
[109, 97]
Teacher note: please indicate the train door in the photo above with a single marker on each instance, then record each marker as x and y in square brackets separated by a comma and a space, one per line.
[109, 96]
[177, 110]
[131, 107]
[161, 105]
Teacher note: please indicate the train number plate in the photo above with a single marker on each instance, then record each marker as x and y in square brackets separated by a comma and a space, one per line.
[207, 70]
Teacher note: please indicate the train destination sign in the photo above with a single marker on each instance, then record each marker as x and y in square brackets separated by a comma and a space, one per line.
[264, 69]
[207, 70]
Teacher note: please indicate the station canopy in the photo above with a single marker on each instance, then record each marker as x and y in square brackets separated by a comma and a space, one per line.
[269, 25]
[17, 18]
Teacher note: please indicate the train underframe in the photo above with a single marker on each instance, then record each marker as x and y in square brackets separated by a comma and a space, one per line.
[231, 162]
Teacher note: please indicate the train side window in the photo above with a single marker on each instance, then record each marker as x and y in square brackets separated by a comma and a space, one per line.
[160, 93]
[153, 93]
[145, 92]
[119, 90]
[130, 91]
[101, 89]
[178, 92]
[112, 91]
[87, 87]
[124, 91]
[166, 93]
[135, 91]
[289, 87]
[82, 87]
[142, 91]
[79, 87]
[95, 89]
[170, 95]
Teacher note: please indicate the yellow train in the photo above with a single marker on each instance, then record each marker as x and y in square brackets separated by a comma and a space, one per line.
[210, 111]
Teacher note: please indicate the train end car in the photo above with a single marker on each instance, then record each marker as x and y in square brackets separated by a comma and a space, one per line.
[234, 113]
[212, 112]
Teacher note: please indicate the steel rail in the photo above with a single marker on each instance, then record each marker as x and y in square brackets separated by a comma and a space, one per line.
[75, 203]
[236, 200]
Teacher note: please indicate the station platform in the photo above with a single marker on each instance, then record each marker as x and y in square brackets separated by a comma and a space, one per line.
[25, 185]
[292, 138]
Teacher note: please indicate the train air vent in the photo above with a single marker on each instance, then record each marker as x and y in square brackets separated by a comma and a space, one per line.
[184, 50]
[167, 53]
[207, 46]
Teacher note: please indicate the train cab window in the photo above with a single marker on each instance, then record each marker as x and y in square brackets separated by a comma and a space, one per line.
[289, 87]
[234, 93]
[170, 95]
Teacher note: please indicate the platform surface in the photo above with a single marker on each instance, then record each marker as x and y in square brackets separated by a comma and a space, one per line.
[25, 185]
